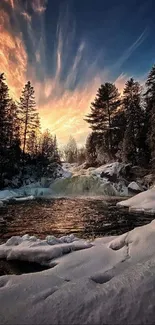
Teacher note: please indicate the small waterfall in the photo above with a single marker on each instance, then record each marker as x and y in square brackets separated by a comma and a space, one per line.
[82, 185]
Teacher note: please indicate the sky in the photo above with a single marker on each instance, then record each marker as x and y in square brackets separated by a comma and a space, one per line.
[68, 48]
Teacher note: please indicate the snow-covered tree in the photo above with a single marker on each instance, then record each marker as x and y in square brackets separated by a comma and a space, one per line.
[70, 151]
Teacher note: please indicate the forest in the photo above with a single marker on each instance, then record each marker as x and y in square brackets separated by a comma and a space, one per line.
[122, 129]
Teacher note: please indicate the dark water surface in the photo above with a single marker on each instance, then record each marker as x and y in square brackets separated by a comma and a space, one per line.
[84, 217]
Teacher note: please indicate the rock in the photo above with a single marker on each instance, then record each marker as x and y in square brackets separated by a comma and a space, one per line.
[149, 180]
[135, 188]
[14, 241]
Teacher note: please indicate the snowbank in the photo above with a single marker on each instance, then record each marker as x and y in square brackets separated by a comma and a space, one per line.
[143, 202]
[109, 281]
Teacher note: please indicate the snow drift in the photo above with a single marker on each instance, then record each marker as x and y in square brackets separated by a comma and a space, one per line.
[143, 202]
[108, 281]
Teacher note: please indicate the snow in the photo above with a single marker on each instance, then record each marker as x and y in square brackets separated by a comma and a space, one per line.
[108, 281]
[31, 249]
[91, 181]
[142, 202]
[76, 180]
[134, 186]
[7, 194]
[23, 199]
[110, 169]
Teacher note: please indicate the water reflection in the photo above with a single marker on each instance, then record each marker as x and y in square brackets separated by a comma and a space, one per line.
[84, 217]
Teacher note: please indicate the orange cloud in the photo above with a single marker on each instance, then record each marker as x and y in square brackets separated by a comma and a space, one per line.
[13, 57]
[120, 82]
[64, 115]
[11, 3]
[61, 110]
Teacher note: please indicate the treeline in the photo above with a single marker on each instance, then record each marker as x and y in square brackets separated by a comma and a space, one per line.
[123, 127]
[21, 142]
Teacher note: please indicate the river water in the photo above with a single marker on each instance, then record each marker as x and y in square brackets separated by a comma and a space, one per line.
[84, 217]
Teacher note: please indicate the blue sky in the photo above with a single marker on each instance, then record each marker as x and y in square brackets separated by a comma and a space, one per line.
[68, 48]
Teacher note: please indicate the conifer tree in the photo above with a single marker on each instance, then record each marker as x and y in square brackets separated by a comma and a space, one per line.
[70, 151]
[118, 127]
[34, 137]
[150, 115]
[27, 112]
[134, 121]
[13, 123]
[91, 148]
[103, 109]
[56, 152]
[4, 106]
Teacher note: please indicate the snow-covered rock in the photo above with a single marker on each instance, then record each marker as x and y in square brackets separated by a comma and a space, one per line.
[142, 202]
[76, 180]
[108, 281]
[136, 188]
[105, 180]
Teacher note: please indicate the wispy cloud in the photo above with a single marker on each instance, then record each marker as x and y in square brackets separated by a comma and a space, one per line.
[39, 6]
[129, 51]
[27, 17]
[62, 102]
[13, 56]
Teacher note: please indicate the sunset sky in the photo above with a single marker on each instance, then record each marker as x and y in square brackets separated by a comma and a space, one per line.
[68, 48]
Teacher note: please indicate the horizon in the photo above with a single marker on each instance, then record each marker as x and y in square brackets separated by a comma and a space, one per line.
[68, 51]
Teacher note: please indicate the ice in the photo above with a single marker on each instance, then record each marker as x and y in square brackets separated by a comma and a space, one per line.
[91, 181]
[23, 199]
[108, 281]
[142, 202]
[7, 194]
[73, 180]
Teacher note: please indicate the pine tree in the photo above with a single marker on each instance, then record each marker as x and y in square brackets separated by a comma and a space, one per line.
[4, 106]
[118, 127]
[28, 113]
[103, 110]
[56, 152]
[70, 151]
[13, 124]
[91, 148]
[48, 159]
[134, 121]
[9, 134]
[34, 138]
[150, 115]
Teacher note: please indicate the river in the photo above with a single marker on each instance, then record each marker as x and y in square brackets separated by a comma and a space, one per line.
[84, 217]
